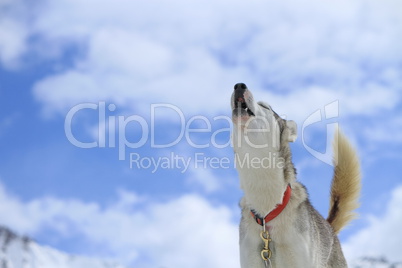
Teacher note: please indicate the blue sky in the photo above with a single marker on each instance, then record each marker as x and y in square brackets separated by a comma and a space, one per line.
[299, 56]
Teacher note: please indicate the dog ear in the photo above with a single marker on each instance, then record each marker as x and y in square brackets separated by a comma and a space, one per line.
[292, 128]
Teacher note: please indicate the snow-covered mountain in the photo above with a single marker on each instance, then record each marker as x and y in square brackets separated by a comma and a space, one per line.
[22, 252]
[370, 262]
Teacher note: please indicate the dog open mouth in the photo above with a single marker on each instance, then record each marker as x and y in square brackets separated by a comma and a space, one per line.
[241, 108]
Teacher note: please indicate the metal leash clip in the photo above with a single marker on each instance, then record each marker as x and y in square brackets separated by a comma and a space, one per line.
[266, 252]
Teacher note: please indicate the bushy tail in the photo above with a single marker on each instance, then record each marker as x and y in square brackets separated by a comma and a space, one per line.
[345, 188]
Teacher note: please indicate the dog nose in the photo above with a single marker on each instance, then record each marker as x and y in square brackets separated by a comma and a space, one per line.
[239, 90]
[240, 86]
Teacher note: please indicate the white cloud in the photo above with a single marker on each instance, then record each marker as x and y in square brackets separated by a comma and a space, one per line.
[389, 130]
[183, 232]
[205, 178]
[13, 33]
[299, 105]
[191, 54]
[383, 235]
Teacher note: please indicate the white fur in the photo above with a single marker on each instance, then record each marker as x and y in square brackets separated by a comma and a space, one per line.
[296, 244]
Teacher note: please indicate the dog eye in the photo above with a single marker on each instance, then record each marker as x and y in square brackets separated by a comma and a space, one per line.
[264, 106]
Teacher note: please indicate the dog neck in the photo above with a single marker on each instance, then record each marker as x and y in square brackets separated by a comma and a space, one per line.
[261, 220]
[262, 179]
[264, 176]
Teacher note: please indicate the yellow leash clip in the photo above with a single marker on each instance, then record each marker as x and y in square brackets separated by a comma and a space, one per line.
[265, 252]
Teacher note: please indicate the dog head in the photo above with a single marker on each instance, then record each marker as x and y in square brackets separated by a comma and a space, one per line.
[256, 125]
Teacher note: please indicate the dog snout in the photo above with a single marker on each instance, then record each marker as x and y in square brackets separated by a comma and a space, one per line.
[240, 89]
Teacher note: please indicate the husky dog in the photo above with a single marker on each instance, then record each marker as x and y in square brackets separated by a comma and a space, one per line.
[279, 227]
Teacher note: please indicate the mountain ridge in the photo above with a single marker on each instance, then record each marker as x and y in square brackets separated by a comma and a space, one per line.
[20, 251]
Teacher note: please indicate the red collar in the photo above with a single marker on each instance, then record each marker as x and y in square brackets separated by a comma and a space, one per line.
[277, 210]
